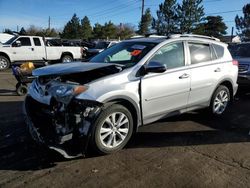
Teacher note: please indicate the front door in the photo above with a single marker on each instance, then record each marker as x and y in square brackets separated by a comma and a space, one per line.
[166, 92]
[24, 52]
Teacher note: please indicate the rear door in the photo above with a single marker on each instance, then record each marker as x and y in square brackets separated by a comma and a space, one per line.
[166, 92]
[39, 49]
[205, 73]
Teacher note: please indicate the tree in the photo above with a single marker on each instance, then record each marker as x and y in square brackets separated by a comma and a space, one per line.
[72, 29]
[125, 31]
[33, 30]
[8, 31]
[243, 23]
[98, 31]
[190, 13]
[22, 31]
[50, 33]
[86, 29]
[144, 25]
[167, 18]
[37, 31]
[109, 30]
[213, 26]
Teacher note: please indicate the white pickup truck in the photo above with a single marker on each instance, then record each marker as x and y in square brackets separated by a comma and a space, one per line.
[33, 48]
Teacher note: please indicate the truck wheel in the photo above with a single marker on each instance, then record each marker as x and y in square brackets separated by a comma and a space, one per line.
[220, 100]
[66, 59]
[112, 129]
[4, 63]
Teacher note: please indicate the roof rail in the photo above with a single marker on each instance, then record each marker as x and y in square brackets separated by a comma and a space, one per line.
[192, 35]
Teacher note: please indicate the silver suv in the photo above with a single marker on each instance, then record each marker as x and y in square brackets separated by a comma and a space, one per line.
[102, 103]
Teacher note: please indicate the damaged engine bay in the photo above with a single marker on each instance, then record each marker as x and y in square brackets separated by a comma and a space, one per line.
[65, 121]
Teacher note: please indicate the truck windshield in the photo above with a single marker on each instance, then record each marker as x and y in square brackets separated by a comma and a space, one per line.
[10, 40]
[124, 53]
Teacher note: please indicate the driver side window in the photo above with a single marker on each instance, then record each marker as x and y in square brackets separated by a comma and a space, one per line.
[171, 55]
[25, 41]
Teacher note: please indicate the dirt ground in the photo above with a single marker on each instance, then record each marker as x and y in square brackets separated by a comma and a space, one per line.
[191, 150]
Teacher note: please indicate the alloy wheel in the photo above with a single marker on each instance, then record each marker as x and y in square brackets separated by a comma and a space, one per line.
[220, 102]
[114, 130]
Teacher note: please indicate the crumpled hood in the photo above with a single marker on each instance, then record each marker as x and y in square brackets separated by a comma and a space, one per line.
[69, 68]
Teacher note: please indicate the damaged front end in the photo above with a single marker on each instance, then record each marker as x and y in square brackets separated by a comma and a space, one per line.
[64, 128]
[57, 118]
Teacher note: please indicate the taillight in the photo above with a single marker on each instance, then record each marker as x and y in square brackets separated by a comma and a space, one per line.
[235, 62]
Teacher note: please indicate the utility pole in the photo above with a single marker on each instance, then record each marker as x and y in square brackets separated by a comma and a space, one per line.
[142, 8]
[17, 28]
[232, 34]
[49, 23]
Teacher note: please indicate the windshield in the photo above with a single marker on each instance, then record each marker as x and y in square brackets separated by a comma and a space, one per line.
[124, 53]
[240, 50]
[11, 40]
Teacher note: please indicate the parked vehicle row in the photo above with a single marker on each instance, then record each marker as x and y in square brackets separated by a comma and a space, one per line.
[241, 52]
[33, 48]
[100, 104]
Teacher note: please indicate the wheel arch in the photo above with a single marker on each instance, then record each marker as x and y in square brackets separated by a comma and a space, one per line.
[229, 85]
[67, 53]
[5, 55]
[130, 105]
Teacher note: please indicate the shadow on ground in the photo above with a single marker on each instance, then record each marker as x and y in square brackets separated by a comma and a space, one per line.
[8, 92]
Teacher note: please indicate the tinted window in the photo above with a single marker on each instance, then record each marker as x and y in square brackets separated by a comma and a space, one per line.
[199, 53]
[171, 55]
[37, 41]
[219, 50]
[25, 41]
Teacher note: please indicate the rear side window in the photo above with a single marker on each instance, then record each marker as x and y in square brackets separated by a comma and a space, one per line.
[219, 50]
[37, 41]
[199, 52]
[25, 41]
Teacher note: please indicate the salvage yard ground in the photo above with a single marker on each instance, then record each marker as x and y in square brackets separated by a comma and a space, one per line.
[191, 150]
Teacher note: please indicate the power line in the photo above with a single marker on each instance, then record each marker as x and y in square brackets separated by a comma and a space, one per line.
[225, 12]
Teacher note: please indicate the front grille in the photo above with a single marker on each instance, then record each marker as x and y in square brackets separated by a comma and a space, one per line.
[243, 67]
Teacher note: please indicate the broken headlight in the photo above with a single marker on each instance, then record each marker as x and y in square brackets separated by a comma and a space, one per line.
[64, 93]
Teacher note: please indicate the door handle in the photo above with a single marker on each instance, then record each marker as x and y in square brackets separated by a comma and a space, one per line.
[217, 70]
[32, 49]
[184, 76]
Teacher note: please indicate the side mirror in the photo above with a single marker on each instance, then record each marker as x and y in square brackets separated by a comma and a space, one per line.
[17, 43]
[155, 67]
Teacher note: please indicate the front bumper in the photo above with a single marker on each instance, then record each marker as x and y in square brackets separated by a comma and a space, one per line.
[67, 131]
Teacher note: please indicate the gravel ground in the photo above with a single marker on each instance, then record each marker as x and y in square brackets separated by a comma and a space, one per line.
[191, 150]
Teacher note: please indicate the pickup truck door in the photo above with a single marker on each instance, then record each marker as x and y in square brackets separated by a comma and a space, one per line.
[39, 49]
[25, 52]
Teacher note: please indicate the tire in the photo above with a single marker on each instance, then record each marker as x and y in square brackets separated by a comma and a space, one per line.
[220, 101]
[108, 135]
[21, 89]
[66, 59]
[4, 63]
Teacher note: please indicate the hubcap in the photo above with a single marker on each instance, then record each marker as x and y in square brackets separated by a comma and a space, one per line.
[3, 63]
[114, 129]
[67, 59]
[220, 102]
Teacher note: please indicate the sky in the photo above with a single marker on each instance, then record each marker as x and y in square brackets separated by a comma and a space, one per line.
[23, 13]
